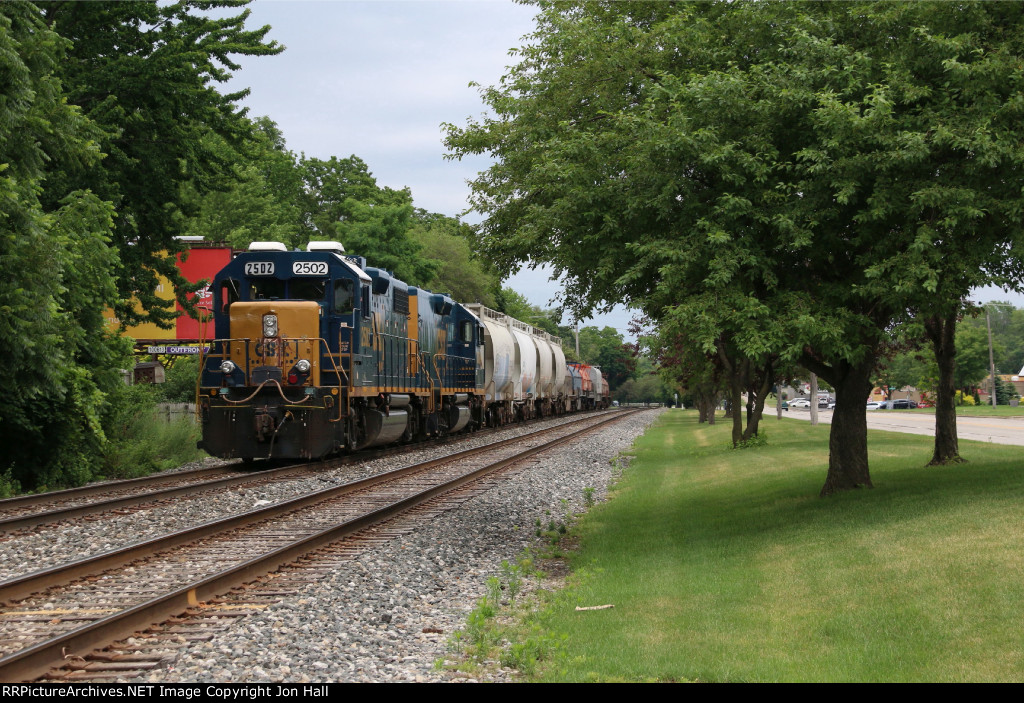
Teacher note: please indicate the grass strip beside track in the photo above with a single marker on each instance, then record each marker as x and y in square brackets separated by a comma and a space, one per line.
[724, 565]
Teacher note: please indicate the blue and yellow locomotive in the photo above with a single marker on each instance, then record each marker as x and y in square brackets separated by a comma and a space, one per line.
[317, 353]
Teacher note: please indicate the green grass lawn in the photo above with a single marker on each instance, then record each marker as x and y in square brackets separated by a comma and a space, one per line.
[725, 565]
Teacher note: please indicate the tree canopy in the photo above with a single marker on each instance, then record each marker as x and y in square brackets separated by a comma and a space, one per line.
[145, 74]
[793, 178]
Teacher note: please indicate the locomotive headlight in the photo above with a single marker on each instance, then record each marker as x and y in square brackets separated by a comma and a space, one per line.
[228, 367]
[302, 366]
[270, 325]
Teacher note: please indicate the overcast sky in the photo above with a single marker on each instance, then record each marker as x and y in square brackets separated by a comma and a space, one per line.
[377, 79]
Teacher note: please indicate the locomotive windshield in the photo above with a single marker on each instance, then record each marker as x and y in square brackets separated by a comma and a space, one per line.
[344, 296]
[266, 289]
[307, 289]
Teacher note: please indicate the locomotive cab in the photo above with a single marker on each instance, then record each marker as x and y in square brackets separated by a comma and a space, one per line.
[285, 324]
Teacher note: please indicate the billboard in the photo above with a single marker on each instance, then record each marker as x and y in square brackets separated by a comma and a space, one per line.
[196, 264]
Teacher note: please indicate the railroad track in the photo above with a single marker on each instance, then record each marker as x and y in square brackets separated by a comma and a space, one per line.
[92, 602]
[38, 508]
[24, 512]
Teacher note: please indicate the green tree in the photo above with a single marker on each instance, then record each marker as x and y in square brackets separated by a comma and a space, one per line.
[344, 203]
[607, 349]
[1007, 324]
[460, 273]
[55, 354]
[1005, 392]
[264, 203]
[146, 75]
[972, 356]
[818, 168]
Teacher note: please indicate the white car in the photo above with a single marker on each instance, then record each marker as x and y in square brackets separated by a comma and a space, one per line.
[874, 405]
[800, 403]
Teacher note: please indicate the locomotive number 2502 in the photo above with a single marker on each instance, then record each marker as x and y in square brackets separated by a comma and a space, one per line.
[309, 268]
[259, 268]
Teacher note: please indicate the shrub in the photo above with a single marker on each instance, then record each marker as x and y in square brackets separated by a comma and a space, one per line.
[179, 384]
[964, 399]
[140, 443]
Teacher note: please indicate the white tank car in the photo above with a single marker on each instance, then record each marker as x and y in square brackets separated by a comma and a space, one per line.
[558, 361]
[510, 366]
[527, 353]
[595, 383]
[545, 361]
[500, 359]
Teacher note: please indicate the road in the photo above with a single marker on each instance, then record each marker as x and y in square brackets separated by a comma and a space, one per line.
[999, 430]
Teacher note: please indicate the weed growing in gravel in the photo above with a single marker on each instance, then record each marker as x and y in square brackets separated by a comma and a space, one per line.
[502, 633]
[526, 563]
[8, 486]
[455, 642]
[512, 573]
[588, 497]
[494, 590]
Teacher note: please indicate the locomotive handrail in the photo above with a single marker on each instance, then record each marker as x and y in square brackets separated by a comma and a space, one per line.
[406, 381]
[337, 372]
[452, 375]
[431, 404]
[440, 378]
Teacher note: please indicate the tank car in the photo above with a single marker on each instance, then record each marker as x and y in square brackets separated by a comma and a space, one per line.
[524, 369]
[315, 353]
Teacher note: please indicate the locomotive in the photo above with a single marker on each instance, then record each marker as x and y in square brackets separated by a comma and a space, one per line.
[316, 353]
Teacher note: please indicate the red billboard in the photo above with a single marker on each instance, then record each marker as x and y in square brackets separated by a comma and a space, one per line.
[197, 264]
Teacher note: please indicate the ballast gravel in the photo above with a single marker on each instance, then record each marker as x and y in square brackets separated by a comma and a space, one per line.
[388, 614]
[50, 545]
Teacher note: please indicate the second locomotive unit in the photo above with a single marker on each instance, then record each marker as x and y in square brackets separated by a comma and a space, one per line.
[316, 352]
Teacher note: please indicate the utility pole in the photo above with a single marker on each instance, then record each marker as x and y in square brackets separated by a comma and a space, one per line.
[814, 398]
[991, 361]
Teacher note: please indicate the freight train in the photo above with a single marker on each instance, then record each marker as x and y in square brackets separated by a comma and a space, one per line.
[317, 353]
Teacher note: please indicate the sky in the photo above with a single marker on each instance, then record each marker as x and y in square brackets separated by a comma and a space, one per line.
[378, 78]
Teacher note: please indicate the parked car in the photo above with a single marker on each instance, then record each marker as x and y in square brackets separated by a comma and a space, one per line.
[800, 403]
[874, 405]
[903, 404]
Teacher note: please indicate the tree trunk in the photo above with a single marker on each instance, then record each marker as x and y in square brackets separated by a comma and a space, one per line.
[759, 395]
[848, 439]
[736, 403]
[706, 403]
[942, 333]
[734, 372]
